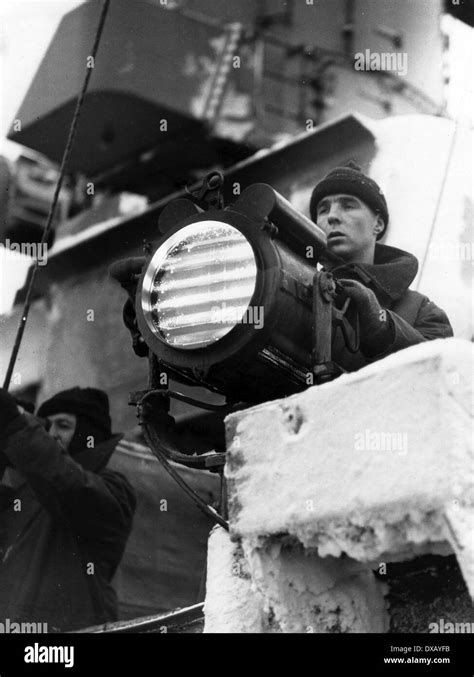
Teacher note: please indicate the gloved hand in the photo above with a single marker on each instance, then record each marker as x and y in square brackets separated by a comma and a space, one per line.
[8, 409]
[376, 330]
[8, 413]
[3, 464]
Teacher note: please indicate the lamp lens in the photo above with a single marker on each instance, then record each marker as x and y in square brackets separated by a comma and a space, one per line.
[199, 284]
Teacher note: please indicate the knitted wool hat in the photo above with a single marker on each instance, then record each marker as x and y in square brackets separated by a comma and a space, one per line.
[351, 181]
[90, 405]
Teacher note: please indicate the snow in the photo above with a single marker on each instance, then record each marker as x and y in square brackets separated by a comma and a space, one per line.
[317, 484]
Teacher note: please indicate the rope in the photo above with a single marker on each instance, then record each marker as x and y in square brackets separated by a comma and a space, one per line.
[52, 209]
[438, 202]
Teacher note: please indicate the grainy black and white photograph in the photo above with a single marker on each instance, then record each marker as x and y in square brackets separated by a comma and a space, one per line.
[236, 328]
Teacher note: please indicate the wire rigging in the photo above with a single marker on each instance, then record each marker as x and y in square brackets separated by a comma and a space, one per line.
[52, 209]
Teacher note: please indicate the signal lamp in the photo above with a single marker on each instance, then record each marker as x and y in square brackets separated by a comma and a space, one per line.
[225, 300]
[230, 299]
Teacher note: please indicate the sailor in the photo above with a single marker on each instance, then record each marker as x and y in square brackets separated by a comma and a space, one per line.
[64, 516]
[352, 211]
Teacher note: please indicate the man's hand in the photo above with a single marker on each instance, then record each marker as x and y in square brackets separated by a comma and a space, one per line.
[8, 409]
[375, 326]
[8, 413]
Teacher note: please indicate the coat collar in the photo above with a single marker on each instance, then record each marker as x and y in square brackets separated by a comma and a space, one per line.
[391, 273]
[96, 459]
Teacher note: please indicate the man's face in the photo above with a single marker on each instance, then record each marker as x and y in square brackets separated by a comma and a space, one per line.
[63, 427]
[350, 226]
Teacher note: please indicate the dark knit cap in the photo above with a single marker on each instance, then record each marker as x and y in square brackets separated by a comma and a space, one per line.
[351, 181]
[90, 405]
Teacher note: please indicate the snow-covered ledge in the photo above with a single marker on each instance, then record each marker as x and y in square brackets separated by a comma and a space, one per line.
[330, 484]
